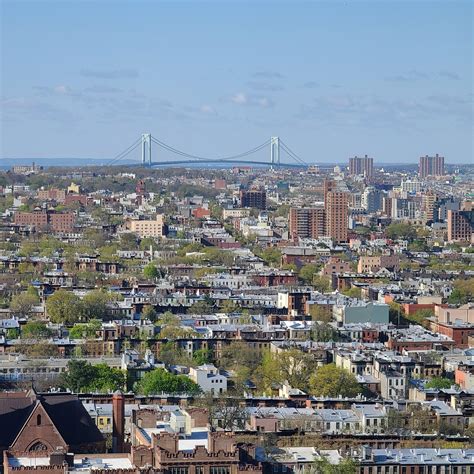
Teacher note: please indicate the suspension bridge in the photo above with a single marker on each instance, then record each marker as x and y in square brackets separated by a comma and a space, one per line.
[276, 147]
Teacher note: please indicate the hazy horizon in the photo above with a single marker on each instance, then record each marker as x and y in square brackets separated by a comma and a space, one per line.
[389, 79]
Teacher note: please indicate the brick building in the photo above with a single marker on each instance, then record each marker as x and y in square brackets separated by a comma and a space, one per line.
[373, 263]
[33, 424]
[253, 198]
[431, 166]
[147, 227]
[361, 166]
[44, 220]
[307, 222]
[336, 205]
[460, 226]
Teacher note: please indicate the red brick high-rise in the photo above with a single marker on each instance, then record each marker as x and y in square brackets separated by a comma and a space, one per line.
[307, 222]
[362, 166]
[431, 166]
[336, 205]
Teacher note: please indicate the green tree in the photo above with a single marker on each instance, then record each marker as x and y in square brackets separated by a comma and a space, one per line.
[147, 242]
[176, 332]
[202, 356]
[48, 246]
[420, 317]
[400, 230]
[39, 349]
[150, 313]
[217, 256]
[94, 304]
[292, 365]
[23, 303]
[332, 381]
[64, 307]
[161, 381]
[201, 307]
[346, 466]
[320, 313]
[95, 238]
[395, 313]
[85, 330]
[324, 332]
[170, 353]
[308, 272]
[151, 272]
[81, 376]
[463, 292]
[271, 256]
[35, 330]
[353, 292]
[168, 319]
[106, 379]
[241, 358]
[128, 241]
[229, 306]
[321, 284]
[439, 383]
[13, 333]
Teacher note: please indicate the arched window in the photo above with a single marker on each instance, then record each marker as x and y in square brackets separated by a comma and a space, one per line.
[38, 446]
[38, 420]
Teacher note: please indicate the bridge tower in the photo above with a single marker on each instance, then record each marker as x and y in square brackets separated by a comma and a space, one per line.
[275, 151]
[146, 144]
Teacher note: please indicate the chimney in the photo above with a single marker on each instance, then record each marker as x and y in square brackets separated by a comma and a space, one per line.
[118, 427]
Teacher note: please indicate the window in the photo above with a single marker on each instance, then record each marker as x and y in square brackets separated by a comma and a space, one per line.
[178, 470]
[220, 470]
[38, 420]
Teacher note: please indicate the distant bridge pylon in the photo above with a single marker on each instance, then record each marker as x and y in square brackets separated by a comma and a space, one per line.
[276, 147]
[146, 145]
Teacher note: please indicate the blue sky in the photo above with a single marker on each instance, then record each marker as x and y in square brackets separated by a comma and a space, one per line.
[332, 79]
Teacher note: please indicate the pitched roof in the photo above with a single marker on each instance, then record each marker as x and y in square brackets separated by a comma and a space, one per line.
[71, 419]
[65, 410]
[15, 408]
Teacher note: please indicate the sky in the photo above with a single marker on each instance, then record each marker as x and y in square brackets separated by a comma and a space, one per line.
[391, 79]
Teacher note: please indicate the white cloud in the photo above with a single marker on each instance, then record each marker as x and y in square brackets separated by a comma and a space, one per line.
[207, 109]
[62, 89]
[242, 98]
[239, 98]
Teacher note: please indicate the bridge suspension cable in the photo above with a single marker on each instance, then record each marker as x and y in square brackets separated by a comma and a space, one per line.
[190, 156]
[291, 153]
[201, 158]
[125, 152]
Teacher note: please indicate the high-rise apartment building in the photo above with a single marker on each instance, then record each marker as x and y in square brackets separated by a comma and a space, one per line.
[372, 199]
[253, 198]
[363, 166]
[428, 201]
[403, 208]
[431, 166]
[460, 226]
[307, 222]
[337, 218]
[442, 206]
[336, 205]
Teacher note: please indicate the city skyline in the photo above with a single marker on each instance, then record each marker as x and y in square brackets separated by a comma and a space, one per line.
[392, 80]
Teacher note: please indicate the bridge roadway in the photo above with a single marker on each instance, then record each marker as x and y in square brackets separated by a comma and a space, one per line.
[197, 162]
